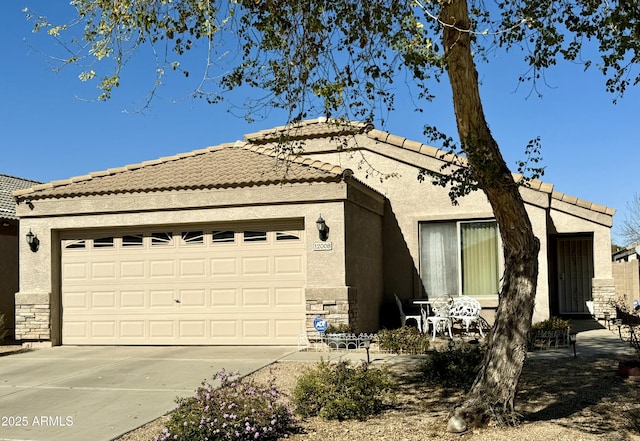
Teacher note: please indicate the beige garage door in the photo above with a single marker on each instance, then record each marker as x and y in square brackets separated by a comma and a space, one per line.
[214, 285]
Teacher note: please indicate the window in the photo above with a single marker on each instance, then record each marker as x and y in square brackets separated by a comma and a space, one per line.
[103, 242]
[132, 240]
[460, 258]
[226, 236]
[74, 244]
[193, 237]
[255, 236]
[161, 239]
[287, 235]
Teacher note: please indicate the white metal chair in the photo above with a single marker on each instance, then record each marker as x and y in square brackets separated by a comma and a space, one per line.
[467, 309]
[404, 317]
[440, 320]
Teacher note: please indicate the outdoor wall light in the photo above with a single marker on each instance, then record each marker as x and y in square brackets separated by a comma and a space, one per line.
[33, 241]
[323, 229]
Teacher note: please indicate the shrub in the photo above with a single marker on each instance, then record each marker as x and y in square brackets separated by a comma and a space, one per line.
[340, 328]
[239, 409]
[406, 340]
[455, 367]
[340, 392]
[551, 324]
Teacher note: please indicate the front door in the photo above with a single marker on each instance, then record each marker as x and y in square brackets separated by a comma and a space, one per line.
[575, 271]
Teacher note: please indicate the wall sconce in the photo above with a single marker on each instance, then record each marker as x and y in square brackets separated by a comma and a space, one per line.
[33, 241]
[323, 229]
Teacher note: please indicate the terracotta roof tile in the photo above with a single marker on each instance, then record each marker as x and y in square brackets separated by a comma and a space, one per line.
[218, 167]
[9, 184]
[317, 128]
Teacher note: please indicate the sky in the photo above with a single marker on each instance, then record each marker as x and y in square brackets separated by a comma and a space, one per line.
[51, 129]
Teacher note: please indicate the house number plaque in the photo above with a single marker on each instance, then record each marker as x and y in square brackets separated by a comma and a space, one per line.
[322, 246]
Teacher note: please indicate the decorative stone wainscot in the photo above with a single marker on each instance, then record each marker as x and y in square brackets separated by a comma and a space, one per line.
[604, 297]
[33, 313]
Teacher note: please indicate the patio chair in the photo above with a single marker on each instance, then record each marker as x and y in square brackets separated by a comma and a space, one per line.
[467, 309]
[404, 317]
[441, 319]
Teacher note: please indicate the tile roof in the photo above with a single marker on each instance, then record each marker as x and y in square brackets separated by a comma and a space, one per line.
[251, 164]
[322, 127]
[224, 166]
[7, 185]
[309, 129]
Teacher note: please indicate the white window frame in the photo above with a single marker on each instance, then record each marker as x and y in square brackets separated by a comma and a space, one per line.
[458, 225]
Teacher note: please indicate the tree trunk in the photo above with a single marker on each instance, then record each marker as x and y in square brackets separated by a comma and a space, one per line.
[493, 392]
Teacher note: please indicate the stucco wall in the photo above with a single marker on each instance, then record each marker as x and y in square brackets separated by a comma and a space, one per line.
[412, 202]
[8, 276]
[569, 219]
[48, 219]
[364, 266]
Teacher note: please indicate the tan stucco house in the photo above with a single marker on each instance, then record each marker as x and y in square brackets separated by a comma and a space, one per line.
[223, 245]
[9, 250]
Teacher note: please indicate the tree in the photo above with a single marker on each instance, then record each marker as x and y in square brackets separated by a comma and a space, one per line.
[630, 229]
[341, 58]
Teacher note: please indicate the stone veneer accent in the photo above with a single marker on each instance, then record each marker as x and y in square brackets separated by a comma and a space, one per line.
[604, 297]
[335, 311]
[33, 312]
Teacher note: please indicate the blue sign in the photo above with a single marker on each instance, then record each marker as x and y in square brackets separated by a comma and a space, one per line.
[320, 324]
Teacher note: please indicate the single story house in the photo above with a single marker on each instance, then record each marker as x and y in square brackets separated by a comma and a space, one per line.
[9, 283]
[232, 245]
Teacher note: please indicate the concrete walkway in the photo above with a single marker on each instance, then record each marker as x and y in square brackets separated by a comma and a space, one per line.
[98, 393]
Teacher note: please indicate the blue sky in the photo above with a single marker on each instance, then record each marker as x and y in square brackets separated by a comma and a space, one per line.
[49, 131]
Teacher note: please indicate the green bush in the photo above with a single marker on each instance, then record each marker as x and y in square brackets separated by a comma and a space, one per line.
[455, 367]
[407, 340]
[238, 409]
[340, 392]
[551, 324]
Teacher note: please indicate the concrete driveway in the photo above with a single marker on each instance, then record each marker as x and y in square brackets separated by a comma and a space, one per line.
[76, 393]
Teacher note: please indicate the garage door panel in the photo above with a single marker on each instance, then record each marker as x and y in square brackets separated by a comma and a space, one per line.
[103, 270]
[76, 300]
[202, 292]
[132, 269]
[288, 296]
[224, 267]
[287, 329]
[165, 298]
[132, 329]
[103, 300]
[162, 329]
[192, 298]
[75, 271]
[224, 330]
[162, 269]
[190, 329]
[192, 268]
[255, 297]
[288, 265]
[256, 328]
[255, 266]
[105, 329]
[132, 299]
[225, 297]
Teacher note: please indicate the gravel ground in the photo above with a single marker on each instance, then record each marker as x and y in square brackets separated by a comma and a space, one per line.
[560, 399]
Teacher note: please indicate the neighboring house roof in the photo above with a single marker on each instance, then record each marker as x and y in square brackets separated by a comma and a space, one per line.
[224, 166]
[8, 184]
[252, 163]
